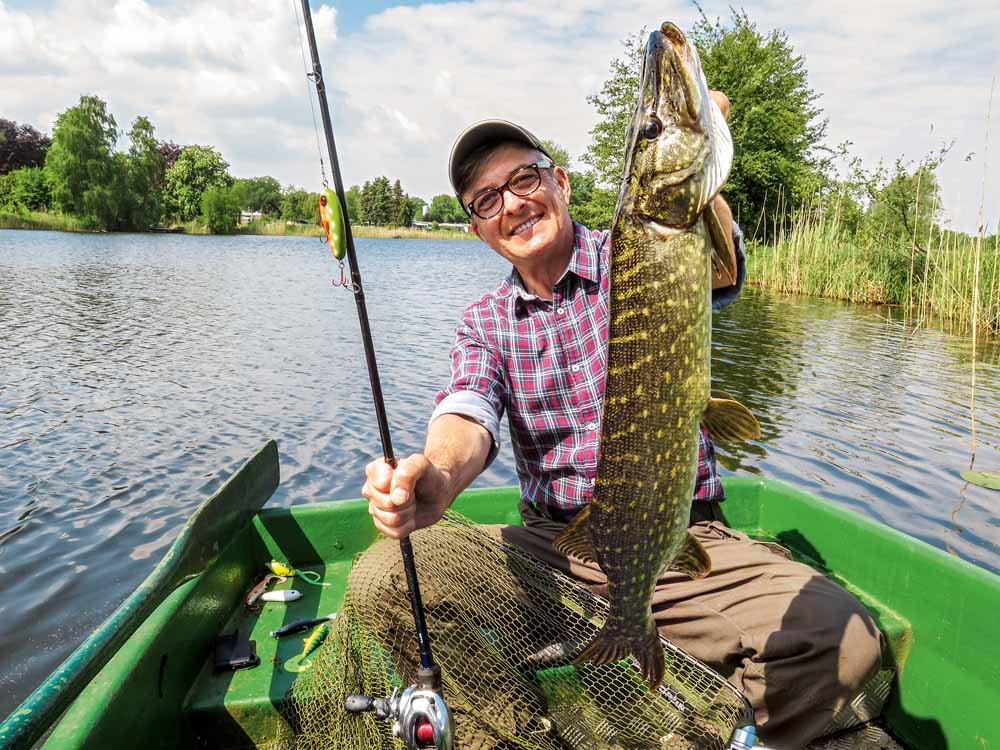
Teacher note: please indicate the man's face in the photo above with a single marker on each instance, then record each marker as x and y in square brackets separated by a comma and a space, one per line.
[528, 229]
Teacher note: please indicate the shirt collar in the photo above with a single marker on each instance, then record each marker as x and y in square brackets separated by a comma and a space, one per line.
[585, 263]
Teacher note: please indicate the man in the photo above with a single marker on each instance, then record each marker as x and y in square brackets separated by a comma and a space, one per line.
[797, 645]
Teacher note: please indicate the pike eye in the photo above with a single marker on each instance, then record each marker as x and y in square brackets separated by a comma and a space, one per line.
[651, 128]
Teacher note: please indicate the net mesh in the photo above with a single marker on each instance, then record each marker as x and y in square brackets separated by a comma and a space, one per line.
[494, 613]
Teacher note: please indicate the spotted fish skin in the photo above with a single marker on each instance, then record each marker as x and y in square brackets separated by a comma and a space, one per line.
[658, 371]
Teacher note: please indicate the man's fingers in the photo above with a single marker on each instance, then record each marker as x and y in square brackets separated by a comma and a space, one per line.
[379, 474]
[393, 523]
[722, 100]
[408, 472]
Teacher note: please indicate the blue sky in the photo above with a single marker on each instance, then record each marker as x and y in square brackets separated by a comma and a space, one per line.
[898, 78]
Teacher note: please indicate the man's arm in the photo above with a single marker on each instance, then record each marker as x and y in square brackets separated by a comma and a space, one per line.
[422, 486]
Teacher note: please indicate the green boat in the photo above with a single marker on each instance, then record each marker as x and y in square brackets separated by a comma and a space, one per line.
[145, 677]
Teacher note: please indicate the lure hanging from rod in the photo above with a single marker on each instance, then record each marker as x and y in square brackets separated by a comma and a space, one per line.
[331, 216]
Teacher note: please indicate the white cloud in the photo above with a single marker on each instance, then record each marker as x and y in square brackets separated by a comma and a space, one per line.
[230, 74]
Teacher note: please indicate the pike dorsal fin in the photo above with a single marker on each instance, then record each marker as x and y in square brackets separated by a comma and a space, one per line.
[574, 540]
[692, 560]
[729, 421]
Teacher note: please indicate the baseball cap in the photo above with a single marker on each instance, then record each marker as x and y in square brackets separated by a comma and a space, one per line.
[486, 131]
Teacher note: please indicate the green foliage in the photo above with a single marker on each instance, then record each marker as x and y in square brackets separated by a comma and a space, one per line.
[774, 119]
[417, 208]
[259, 194]
[376, 202]
[220, 208]
[21, 146]
[445, 209]
[80, 166]
[7, 191]
[197, 168]
[145, 168]
[773, 116]
[29, 189]
[559, 155]
[352, 196]
[299, 205]
[615, 104]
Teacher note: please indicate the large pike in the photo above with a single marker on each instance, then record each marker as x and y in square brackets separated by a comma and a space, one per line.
[657, 393]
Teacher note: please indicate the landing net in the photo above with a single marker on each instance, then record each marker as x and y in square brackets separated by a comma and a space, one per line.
[491, 609]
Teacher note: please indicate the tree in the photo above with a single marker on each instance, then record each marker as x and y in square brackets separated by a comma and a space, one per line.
[145, 171]
[80, 165]
[417, 208]
[445, 209]
[397, 205]
[774, 120]
[559, 155]
[259, 194]
[376, 202]
[28, 189]
[588, 204]
[21, 146]
[197, 168]
[169, 151]
[353, 199]
[220, 207]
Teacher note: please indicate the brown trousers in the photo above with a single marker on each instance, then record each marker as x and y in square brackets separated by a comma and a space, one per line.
[797, 645]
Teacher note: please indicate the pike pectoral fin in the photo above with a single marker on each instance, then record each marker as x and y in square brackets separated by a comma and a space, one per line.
[729, 421]
[609, 646]
[692, 560]
[574, 539]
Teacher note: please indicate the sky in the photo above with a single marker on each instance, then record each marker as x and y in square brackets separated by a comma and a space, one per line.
[898, 78]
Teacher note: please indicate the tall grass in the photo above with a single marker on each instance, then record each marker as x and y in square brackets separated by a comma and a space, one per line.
[40, 220]
[937, 275]
[279, 227]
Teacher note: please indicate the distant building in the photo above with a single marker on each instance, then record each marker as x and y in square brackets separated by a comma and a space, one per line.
[441, 225]
[247, 216]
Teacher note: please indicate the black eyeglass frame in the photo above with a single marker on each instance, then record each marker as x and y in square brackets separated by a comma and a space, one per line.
[537, 166]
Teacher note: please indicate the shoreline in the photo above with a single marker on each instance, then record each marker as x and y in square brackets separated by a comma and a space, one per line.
[61, 223]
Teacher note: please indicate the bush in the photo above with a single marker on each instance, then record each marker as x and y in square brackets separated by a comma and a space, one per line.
[220, 208]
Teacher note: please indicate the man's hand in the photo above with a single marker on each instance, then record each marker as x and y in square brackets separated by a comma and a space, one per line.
[419, 490]
[402, 500]
[725, 275]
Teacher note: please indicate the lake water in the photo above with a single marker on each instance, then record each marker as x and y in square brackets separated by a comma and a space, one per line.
[138, 371]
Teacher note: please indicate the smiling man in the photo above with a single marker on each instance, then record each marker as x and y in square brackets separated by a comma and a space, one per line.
[797, 645]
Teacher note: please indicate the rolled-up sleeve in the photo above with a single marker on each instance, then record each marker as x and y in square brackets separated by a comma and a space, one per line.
[723, 296]
[476, 388]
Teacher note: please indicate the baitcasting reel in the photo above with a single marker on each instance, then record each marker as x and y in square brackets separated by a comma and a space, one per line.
[419, 716]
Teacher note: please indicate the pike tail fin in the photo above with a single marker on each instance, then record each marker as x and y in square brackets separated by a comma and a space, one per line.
[609, 646]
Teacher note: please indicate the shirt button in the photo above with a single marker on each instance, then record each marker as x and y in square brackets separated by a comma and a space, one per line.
[560, 310]
[575, 368]
[591, 426]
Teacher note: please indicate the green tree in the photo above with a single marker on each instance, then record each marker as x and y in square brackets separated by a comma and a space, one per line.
[775, 123]
[417, 208]
[259, 194]
[397, 205]
[145, 170]
[559, 155]
[352, 197]
[196, 169]
[444, 209]
[80, 166]
[376, 202]
[589, 204]
[7, 191]
[220, 207]
[28, 189]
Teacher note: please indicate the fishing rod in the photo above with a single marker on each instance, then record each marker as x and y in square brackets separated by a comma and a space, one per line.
[420, 716]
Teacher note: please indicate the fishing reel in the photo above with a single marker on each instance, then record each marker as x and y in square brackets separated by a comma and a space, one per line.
[419, 715]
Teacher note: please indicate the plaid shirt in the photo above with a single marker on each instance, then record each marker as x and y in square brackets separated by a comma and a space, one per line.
[544, 363]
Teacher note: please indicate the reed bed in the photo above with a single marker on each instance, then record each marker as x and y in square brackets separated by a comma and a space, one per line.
[935, 277]
[41, 220]
[278, 227]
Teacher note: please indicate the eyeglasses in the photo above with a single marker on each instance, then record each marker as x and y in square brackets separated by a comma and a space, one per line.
[522, 183]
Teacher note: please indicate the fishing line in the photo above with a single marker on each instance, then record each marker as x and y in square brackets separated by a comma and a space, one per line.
[312, 108]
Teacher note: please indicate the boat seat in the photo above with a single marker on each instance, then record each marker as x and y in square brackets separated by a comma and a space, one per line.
[243, 709]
